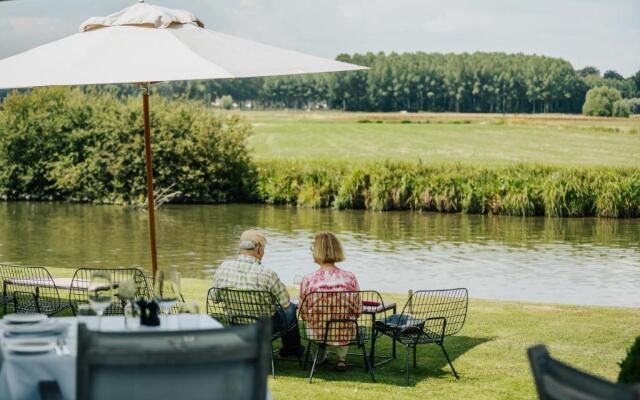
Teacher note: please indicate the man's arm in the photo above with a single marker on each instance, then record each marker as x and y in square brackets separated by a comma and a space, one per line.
[279, 290]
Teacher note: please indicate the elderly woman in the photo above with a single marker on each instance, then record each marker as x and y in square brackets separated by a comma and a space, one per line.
[318, 309]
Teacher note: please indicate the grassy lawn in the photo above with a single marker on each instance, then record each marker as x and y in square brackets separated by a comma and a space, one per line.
[489, 353]
[488, 139]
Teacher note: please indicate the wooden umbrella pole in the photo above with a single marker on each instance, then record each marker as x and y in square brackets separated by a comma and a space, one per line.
[150, 203]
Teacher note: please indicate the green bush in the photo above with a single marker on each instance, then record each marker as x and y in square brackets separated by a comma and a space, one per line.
[634, 105]
[599, 101]
[61, 143]
[630, 367]
[621, 108]
[226, 102]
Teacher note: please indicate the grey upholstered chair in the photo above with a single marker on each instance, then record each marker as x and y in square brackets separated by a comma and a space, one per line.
[558, 381]
[230, 363]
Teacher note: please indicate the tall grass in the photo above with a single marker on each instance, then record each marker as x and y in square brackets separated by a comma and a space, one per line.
[522, 190]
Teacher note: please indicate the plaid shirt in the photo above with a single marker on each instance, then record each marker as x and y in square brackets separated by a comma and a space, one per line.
[246, 272]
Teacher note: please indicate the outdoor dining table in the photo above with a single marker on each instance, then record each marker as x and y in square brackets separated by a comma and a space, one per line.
[20, 373]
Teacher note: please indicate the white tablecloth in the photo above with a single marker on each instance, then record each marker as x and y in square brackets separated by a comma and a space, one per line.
[20, 374]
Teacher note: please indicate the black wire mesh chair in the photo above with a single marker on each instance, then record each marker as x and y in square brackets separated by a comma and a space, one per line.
[558, 381]
[428, 317]
[27, 289]
[79, 293]
[243, 307]
[215, 307]
[340, 318]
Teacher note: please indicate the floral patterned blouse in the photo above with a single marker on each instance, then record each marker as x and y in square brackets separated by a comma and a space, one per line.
[316, 310]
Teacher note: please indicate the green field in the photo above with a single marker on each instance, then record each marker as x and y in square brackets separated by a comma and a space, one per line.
[487, 139]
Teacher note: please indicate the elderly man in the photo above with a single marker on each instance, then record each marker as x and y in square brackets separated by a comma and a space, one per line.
[247, 272]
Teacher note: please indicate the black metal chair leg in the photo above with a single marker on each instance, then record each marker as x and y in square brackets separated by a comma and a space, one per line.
[364, 357]
[306, 354]
[449, 360]
[393, 349]
[273, 367]
[372, 353]
[273, 364]
[313, 366]
[367, 363]
[407, 356]
[415, 364]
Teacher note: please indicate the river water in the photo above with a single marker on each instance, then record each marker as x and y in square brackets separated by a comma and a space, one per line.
[572, 261]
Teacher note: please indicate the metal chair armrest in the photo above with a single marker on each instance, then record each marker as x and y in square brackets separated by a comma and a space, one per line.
[49, 390]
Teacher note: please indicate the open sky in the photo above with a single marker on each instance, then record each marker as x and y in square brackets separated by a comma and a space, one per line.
[605, 34]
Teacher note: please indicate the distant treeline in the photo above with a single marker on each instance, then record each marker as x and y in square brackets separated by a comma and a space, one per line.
[478, 82]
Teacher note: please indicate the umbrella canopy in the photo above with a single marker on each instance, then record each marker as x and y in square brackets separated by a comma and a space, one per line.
[147, 44]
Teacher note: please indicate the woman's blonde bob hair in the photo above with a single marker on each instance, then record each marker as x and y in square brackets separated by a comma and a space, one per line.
[327, 248]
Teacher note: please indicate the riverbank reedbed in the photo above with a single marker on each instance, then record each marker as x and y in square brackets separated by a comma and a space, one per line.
[520, 190]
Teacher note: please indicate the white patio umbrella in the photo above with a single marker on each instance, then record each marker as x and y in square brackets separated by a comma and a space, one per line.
[145, 44]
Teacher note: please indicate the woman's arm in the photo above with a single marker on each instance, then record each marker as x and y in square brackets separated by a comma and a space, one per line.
[304, 289]
[357, 306]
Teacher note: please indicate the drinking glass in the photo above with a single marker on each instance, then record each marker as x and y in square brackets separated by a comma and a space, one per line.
[166, 290]
[100, 293]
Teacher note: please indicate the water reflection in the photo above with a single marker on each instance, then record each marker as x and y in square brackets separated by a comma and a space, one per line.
[583, 261]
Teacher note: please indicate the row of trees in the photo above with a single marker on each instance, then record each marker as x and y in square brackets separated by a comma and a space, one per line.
[478, 82]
